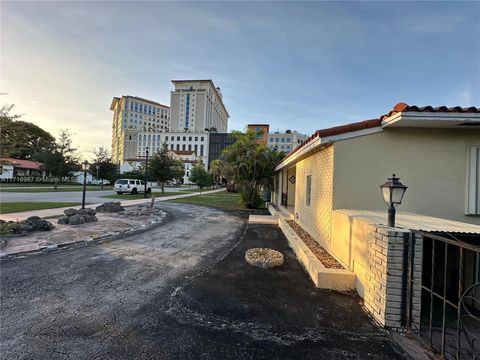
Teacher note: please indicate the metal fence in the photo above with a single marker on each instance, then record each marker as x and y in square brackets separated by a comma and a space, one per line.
[450, 293]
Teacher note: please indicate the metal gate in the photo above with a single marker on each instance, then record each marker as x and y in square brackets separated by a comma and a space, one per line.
[449, 286]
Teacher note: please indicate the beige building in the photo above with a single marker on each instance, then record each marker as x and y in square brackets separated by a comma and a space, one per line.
[435, 152]
[197, 106]
[137, 123]
[285, 141]
[189, 160]
[329, 185]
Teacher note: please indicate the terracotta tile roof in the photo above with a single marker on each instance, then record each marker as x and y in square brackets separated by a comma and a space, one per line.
[366, 124]
[183, 152]
[22, 164]
[402, 107]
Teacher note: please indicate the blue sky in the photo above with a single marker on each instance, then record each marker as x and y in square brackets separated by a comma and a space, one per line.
[294, 65]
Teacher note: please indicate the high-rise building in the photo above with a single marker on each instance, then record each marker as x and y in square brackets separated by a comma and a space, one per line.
[137, 123]
[197, 106]
[285, 141]
[217, 143]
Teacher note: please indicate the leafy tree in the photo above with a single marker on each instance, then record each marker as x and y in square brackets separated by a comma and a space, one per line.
[200, 177]
[216, 170]
[106, 168]
[62, 159]
[252, 165]
[21, 139]
[164, 167]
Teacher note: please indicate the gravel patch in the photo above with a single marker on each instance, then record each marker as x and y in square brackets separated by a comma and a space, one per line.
[264, 257]
[325, 258]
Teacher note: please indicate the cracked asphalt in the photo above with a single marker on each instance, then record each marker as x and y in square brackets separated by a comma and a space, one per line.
[179, 291]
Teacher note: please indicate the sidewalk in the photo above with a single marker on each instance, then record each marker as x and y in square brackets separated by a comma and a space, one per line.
[18, 216]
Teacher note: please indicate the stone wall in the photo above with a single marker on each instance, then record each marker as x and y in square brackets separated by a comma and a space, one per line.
[384, 276]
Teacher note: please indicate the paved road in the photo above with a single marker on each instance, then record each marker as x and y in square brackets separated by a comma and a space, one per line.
[181, 291]
[67, 196]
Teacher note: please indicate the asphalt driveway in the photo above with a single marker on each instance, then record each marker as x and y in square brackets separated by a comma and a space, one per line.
[180, 291]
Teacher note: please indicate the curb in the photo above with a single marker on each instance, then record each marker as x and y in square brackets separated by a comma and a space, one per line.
[158, 220]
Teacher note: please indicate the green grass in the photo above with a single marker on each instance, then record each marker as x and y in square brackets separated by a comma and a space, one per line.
[13, 207]
[223, 200]
[139, 196]
[61, 188]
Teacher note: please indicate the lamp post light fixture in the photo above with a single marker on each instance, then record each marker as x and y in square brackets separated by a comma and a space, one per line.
[146, 173]
[393, 191]
[85, 166]
[98, 168]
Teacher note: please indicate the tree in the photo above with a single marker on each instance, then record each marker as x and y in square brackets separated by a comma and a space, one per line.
[215, 170]
[106, 168]
[62, 159]
[252, 165]
[21, 139]
[164, 167]
[200, 177]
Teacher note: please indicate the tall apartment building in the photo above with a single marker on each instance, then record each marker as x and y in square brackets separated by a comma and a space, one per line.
[197, 106]
[137, 123]
[285, 141]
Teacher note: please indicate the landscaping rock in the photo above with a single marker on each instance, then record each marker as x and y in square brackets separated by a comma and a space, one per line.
[70, 212]
[77, 217]
[264, 257]
[39, 224]
[63, 220]
[76, 220]
[110, 207]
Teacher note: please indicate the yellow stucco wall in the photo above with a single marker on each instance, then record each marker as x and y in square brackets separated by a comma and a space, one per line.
[431, 162]
[316, 218]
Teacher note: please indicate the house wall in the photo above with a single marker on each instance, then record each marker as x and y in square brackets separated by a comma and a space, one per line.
[291, 187]
[316, 218]
[431, 162]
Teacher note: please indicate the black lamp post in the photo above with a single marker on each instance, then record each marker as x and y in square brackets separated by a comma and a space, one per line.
[146, 173]
[85, 165]
[393, 191]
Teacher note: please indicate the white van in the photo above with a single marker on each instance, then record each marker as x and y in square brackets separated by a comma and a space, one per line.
[130, 186]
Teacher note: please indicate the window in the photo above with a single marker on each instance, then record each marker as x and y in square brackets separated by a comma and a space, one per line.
[189, 147]
[308, 198]
[276, 139]
[189, 138]
[283, 140]
[184, 138]
[201, 150]
[472, 196]
[196, 138]
[183, 147]
[271, 139]
[201, 139]
[178, 147]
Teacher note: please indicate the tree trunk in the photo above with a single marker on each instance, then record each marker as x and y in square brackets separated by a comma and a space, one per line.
[163, 188]
[55, 184]
[101, 183]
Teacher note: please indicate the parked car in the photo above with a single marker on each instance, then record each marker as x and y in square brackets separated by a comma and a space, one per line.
[130, 186]
[99, 182]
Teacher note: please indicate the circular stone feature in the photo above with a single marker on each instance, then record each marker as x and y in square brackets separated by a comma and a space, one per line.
[264, 257]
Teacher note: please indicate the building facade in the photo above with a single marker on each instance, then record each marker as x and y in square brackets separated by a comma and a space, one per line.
[137, 123]
[189, 160]
[285, 141]
[217, 143]
[197, 106]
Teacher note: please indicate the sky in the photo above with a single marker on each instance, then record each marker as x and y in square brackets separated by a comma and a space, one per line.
[294, 65]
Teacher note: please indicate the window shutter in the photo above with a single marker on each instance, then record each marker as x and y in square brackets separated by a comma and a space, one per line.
[472, 196]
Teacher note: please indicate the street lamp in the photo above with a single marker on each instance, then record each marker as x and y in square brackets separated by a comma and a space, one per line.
[98, 168]
[146, 173]
[85, 166]
[393, 191]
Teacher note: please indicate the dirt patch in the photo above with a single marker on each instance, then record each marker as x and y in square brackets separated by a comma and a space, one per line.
[107, 224]
[325, 258]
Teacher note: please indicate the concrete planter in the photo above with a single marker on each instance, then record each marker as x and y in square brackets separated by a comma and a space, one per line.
[325, 278]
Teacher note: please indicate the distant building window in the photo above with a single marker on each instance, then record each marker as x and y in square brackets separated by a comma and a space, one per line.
[196, 138]
[184, 138]
[282, 140]
[271, 140]
[201, 150]
[201, 139]
[308, 198]
[277, 139]
[183, 147]
[472, 196]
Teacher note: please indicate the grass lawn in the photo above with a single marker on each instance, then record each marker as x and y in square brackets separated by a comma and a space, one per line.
[49, 188]
[140, 196]
[223, 200]
[13, 207]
